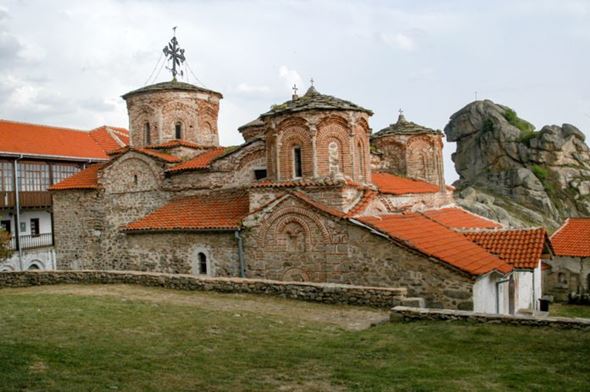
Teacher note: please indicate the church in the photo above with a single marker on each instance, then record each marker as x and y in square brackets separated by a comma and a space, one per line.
[311, 195]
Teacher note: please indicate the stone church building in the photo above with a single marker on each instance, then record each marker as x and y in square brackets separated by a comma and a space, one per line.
[311, 195]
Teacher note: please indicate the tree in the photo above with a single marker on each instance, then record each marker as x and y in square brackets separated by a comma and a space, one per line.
[5, 251]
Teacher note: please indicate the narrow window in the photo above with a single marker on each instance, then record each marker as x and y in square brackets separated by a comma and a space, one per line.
[147, 133]
[135, 179]
[259, 174]
[333, 158]
[202, 264]
[35, 227]
[297, 170]
[178, 130]
[5, 224]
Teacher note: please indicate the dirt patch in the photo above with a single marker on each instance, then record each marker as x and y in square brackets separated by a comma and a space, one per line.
[344, 316]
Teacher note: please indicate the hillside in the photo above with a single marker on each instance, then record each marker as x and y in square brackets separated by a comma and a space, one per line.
[515, 174]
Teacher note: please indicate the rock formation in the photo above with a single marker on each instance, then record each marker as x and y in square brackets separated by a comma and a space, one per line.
[514, 174]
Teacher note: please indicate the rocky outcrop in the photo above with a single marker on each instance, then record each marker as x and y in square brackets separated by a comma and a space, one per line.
[516, 175]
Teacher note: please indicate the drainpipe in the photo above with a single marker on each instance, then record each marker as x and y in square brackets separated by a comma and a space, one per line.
[241, 254]
[498, 283]
[16, 184]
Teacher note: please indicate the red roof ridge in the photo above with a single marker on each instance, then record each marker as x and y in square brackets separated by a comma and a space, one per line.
[437, 211]
[84, 179]
[146, 151]
[436, 240]
[389, 183]
[43, 125]
[368, 196]
[218, 211]
[317, 204]
[572, 238]
[201, 161]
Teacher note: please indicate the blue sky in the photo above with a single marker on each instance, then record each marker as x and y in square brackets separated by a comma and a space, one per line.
[68, 62]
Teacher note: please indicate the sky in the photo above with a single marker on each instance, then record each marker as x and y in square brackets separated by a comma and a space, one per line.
[67, 63]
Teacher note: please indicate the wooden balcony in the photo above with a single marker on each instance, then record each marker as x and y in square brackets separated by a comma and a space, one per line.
[26, 199]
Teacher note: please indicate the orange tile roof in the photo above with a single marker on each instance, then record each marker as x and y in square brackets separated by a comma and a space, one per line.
[573, 238]
[201, 161]
[205, 212]
[368, 196]
[396, 185]
[159, 155]
[47, 141]
[521, 248]
[458, 218]
[436, 240]
[110, 138]
[85, 179]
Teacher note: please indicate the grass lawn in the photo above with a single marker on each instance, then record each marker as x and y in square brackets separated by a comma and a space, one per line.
[565, 310]
[119, 338]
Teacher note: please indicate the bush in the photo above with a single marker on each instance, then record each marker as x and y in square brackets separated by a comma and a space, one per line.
[488, 125]
[5, 251]
[540, 172]
[526, 128]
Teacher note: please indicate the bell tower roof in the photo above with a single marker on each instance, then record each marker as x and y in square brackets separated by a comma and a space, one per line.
[172, 85]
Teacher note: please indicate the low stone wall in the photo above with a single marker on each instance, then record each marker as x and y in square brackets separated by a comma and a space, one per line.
[315, 292]
[404, 313]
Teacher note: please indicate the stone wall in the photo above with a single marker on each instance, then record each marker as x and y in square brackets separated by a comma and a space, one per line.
[566, 275]
[403, 313]
[314, 292]
[179, 252]
[293, 242]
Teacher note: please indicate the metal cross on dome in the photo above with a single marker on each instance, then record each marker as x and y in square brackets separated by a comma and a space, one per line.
[173, 52]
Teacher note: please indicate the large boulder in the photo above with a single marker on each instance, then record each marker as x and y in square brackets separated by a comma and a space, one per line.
[531, 177]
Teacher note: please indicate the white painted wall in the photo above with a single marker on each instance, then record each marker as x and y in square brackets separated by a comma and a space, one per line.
[485, 294]
[25, 217]
[43, 258]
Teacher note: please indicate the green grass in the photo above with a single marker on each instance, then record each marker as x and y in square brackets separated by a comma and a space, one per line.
[73, 342]
[564, 310]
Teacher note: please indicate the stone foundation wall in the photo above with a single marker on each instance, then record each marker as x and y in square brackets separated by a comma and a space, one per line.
[314, 292]
[403, 313]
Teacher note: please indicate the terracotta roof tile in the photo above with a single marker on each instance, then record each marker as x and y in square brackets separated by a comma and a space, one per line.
[434, 239]
[159, 155]
[202, 161]
[396, 185]
[110, 138]
[223, 211]
[573, 238]
[458, 218]
[85, 179]
[368, 196]
[47, 141]
[521, 248]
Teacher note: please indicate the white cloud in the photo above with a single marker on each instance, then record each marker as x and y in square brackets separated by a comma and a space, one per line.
[290, 77]
[253, 89]
[398, 40]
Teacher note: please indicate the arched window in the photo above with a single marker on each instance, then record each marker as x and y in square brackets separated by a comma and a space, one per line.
[147, 133]
[334, 158]
[34, 267]
[297, 163]
[202, 263]
[178, 130]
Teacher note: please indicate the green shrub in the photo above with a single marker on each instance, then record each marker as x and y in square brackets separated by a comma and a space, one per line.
[540, 172]
[526, 128]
